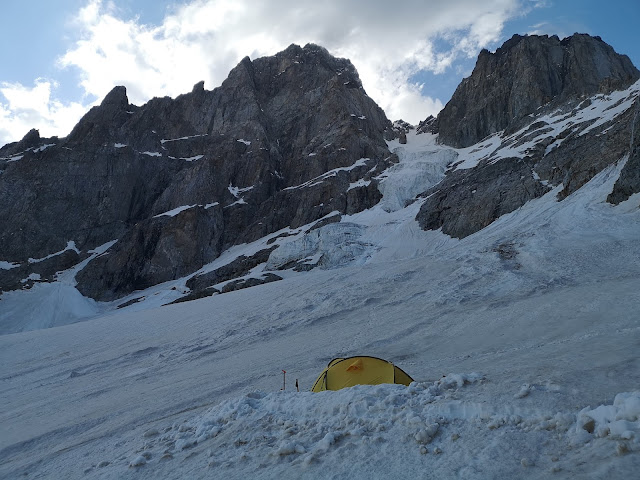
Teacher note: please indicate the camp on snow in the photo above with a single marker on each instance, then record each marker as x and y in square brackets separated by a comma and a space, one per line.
[362, 370]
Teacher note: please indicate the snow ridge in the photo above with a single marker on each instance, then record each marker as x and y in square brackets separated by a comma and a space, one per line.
[267, 435]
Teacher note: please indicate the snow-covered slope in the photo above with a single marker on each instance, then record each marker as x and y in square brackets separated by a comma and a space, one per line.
[533, 322]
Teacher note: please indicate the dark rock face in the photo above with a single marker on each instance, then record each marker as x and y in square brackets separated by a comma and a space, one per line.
[154, 251]
[399, 129]
[428, 125]
[524, 74]
[468, 200]
[284, 141]
[581, 157]
[629, 181]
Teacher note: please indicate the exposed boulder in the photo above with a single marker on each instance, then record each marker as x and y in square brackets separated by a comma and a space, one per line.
[207, 292]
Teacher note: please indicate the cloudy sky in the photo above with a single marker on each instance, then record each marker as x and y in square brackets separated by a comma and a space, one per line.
[59, 58]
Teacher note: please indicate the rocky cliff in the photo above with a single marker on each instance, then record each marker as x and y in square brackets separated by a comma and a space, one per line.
[550, 113]
[284, 141]
[524, 74]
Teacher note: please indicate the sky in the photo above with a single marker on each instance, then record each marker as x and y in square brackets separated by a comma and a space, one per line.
[65, 56]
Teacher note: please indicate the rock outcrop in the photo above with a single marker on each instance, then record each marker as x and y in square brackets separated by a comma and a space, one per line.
[284, 141]
[468, 200]
[628, 182]
[239, 267]
[525, 73]
[561, 145]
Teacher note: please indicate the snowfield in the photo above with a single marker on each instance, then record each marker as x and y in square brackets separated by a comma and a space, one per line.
[523, 340]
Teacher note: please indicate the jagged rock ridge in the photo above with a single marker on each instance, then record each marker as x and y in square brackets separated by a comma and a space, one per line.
[524, 74]
[536, 90]
[284, 141]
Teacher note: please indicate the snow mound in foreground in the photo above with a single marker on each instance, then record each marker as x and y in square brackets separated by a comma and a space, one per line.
[620, 421]
[380, 431]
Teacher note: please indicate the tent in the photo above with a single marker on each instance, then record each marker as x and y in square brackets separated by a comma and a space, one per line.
[361, 370]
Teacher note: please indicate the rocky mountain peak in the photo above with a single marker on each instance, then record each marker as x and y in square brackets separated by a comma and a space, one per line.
[198, 87]
[104, 119]
[319, 57]
[116, 98]
[542, 114]
[525, 73]
[31, 139]
[285, 141]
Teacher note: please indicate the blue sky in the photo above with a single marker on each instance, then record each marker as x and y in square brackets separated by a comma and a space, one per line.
[65, 55]
[616, 23]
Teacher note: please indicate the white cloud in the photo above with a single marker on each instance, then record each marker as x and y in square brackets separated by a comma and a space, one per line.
[388, 42]
[25, 108]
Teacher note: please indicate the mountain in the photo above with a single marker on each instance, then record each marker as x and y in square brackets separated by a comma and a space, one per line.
[524, 74]
[283, 152]
[515, 312]
[536, 114]
[284, 141]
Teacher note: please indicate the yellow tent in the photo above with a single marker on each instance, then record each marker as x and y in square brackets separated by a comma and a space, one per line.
[347, 372]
